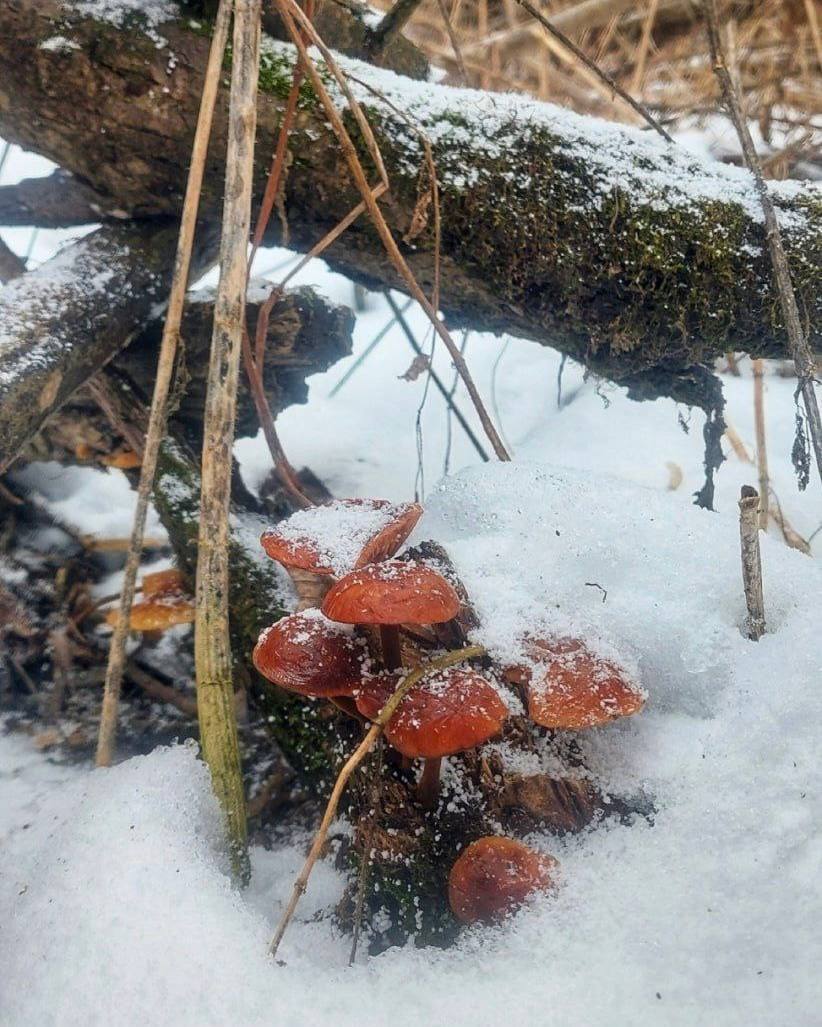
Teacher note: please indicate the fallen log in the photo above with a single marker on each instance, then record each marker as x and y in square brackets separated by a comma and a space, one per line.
[61, 323]
[636, 258]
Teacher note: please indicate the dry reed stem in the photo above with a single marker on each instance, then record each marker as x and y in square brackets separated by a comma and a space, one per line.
[165, 368]
[797, 340]
[751, 561]
[351, 764]
[212, 646]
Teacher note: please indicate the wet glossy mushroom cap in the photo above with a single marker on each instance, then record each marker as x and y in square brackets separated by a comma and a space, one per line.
[573, 688]
[446, 713]
[306, 653]
[392, 592]
[337, 537]
[494, 876]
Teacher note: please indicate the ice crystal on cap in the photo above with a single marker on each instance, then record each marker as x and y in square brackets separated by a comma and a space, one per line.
[342, 535]
[570, 687]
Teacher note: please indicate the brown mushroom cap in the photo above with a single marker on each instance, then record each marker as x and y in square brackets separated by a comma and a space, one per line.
[494, 876]
[164, 603]
[574, 688]
[336, 537]
[306, 653]
[446, 713]
[165, 582]
[392, 592]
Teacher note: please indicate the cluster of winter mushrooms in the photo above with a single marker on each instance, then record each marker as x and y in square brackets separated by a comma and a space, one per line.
[366, 618]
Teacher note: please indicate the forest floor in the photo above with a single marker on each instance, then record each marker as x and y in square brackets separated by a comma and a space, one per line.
[114, 901]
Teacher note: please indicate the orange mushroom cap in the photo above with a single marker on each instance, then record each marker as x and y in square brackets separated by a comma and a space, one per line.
[165, 582]
[445, 713]
[306, 653]
[392, 592]
[342, 535]
[494, 876]
[574, 688]
[164, 603]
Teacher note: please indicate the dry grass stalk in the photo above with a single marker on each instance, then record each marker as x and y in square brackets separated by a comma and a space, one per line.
[351, 764]
[293, 16]
[212, 647]
[165, 369]
[797, 339]
[761, 441]
[751, 562]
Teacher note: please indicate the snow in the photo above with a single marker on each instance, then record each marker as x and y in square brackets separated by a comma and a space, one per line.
[670, 922]
[642, 164]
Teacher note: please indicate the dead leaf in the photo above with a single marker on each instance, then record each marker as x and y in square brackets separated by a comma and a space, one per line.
[419, 365]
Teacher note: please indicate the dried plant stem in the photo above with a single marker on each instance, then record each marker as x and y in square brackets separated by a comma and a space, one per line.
[368, 849]
[354, 760]
[751, 561]
[390, 26]
[644, 47]
[289, 11]
[761, 441]
[581, 56]
[797, 339]
[212, 648]
[165, 369]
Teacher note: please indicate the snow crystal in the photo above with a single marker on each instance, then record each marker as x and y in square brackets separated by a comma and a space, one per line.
[338, 530]
[59, 44]
[118, 12]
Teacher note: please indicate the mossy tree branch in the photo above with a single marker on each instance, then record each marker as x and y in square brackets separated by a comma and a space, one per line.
[633, 257]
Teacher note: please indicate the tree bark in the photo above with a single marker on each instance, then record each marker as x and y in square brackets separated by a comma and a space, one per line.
[61, 323]
[632, 257]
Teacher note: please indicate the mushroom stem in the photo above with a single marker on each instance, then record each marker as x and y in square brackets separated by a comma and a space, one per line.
[390, 642]
[429, 785]
[311, 588]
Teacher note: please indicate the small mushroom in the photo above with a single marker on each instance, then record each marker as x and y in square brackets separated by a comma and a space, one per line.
[388, 594]
[320, 543]
[494, 876]
[573, 688]
[164, 604]
[308, 654]
[446, 713]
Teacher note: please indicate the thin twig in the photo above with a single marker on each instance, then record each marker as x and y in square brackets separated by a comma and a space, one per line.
[354, 760]
[569, 44]
[399, 316]
[212, 645]
[390, 27]
[289, 12]
[797, 339]
[751, 561]
[165, 370]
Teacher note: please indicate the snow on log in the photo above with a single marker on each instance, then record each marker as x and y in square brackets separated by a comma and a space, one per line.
[637, 258]
[61, 323]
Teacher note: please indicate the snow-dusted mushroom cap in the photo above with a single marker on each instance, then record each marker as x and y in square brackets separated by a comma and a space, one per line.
[308, 654]
[446, 713]
[340, 536]
[164, 603]
[392, 592]
[573, 688]
[494, 876]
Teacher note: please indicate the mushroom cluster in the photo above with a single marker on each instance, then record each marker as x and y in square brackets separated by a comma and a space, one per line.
[164, 603]
[367, 616]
